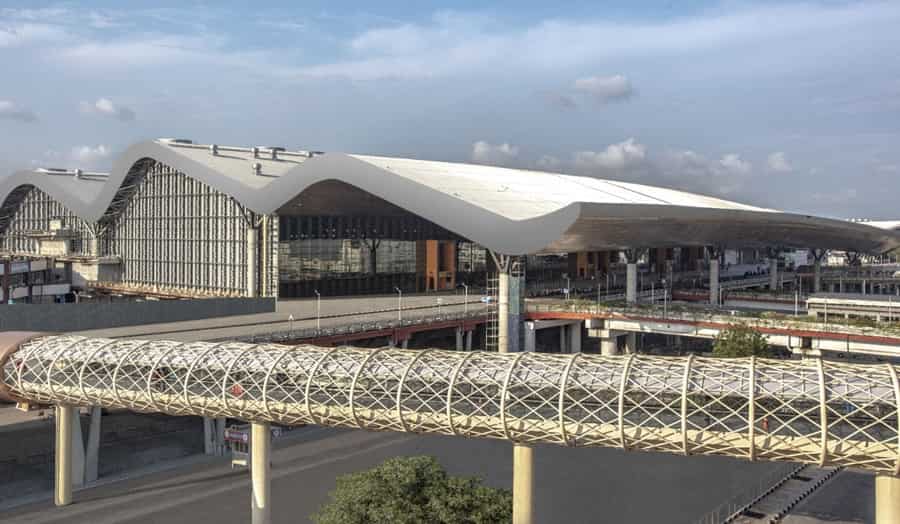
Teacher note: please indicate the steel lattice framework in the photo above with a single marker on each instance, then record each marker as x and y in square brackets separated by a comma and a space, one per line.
[810, 411]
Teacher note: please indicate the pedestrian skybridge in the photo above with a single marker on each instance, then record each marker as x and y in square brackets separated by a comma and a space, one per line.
[810, 411]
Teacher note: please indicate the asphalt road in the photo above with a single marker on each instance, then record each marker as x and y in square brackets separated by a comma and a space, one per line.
[583, 485]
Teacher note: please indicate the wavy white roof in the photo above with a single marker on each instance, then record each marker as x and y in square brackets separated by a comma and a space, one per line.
[511, 211]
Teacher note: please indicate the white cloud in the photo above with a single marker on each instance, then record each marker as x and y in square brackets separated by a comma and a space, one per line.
[549, 163]
[10, 111]
[24, 34]
[606, 89]
[614, 157]
[105, 106]
[88, 157]
[499, 154]
[734, 164]
[779, 163]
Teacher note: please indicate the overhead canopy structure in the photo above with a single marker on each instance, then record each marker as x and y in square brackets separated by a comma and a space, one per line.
[510, 211]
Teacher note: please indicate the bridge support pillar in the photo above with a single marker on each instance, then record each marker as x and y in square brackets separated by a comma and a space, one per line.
[631, 342]
[530, 337]
[459, 339]
[252, 281]
[574, 342]
[66, 418]
[631, 283]
[260, 472]
[887, 499]
[469, 336]
[609, 346]
[563, 339]
[523, 484]
[92, 451]
[714, 280]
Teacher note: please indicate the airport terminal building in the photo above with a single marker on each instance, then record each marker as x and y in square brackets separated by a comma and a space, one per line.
[175, 218]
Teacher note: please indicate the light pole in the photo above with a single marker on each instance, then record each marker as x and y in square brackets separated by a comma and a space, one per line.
[399, 303]
[318, 309]
[568, 287]
[465, 299]
[291, 321]
[665, 299]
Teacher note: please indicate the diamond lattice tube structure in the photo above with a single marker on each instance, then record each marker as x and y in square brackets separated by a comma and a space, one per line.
[810, 411]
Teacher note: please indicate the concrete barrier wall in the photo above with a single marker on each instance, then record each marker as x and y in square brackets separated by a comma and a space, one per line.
[99, 315]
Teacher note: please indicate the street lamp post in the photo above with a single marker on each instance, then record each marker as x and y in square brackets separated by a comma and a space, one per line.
[291, 321]
[318, 309]
[399, 303]
[568, 287]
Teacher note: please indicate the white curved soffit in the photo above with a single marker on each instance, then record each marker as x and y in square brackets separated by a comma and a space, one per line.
[506, 210]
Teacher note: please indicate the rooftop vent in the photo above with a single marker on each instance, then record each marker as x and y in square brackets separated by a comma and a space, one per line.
[214, 149]
[257, 169]
[274, 151]
[185, 141]
[77, 173]
[255, 151]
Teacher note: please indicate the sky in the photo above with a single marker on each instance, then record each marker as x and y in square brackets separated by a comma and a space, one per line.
[794, 106]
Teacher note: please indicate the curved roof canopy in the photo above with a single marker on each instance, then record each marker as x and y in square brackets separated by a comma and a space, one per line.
[511, 211]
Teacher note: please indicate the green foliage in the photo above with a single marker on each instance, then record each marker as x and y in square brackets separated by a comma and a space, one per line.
[740, 340]
[413, 490]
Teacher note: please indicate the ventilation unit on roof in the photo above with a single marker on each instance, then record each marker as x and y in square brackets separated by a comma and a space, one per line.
[257, 169]
[274, 151]
[214, 149]
[255, 151]
[185, 141]
[77, 173]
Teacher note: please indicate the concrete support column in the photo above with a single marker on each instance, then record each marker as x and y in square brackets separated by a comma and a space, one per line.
[94, 246]
[209, 436]
[574, 337]
[631, 343]
[773, 274]
[469, 336]
[252, 262]
[404, 343]
[887, 499]
[503, 312]
[714, 280]
[609, 346]
[523, 484]
[563, 339]
[77, 451]
[459, 339]
[92, 453]
[260, 472]
[530, 337]
[631, 283]
[66, 418]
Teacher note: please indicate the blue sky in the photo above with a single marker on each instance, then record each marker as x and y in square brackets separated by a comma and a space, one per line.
[788, 105]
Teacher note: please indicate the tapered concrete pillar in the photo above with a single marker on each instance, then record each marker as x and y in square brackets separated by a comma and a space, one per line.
[887, 500]
[773, 274]
[530, 337]
[66, 418]
[523, 484]
[563, 339]
[631, 283]
[260, 472]
[252, 262]
[574, 332]
[92, 451]
[209, 436]
[459, 339]
[405, 343]
[609, 346]
[469, 336]
[503, 312]
[714, 280]
[631, 343]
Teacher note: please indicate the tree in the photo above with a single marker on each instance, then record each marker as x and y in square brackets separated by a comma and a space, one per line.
[413, 490]
[740, 340]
